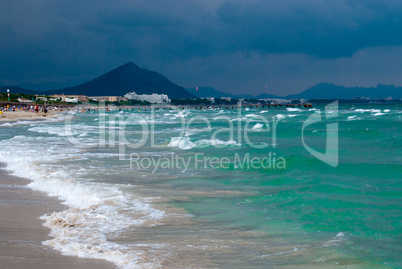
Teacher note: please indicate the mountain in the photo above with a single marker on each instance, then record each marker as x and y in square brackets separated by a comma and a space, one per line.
[127, 78]
[268, 96]
[332, 91]
[204, 92]
[130, 77]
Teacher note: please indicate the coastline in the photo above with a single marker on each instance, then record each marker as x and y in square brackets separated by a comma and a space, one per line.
[11, 116]
[22, 231]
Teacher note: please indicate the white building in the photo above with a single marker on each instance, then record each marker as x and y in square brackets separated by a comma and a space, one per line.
[226, 98]
[152, 98]
[71, 100]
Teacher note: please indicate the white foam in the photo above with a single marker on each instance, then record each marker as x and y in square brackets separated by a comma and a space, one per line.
[95, 210]
[181, 114]
[215, 142]
[7, 124]
[280, 116]
[292, 115]
[251, 116]
[362, 110]
[258, 126]
[181, 142]
[49, 130]
[340, 234]
[378, 114]
[293, 109]
[367, 110]
[185, 143]
[27, 122]
[352, 117]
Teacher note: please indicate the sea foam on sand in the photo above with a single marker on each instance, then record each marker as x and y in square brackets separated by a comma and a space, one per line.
[95, 211]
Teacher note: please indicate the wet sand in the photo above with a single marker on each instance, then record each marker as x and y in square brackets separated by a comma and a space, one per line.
[22, 233]
[25, 115]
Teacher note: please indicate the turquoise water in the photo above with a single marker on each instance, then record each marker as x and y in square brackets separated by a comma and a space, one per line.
[194, 192]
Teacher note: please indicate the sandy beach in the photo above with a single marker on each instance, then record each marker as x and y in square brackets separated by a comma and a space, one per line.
[22, 231]
[25, 115]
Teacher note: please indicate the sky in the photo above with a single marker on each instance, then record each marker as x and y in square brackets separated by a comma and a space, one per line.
[243, 46]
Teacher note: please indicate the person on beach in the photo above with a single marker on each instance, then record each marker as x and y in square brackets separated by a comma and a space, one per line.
[45, 110]
[37, 109]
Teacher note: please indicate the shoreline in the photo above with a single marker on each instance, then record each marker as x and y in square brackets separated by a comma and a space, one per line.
[12, 116]
[22, 232]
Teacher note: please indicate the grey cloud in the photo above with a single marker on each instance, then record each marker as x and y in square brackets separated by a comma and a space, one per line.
[69, 41]
[288, 73]
[327, 29]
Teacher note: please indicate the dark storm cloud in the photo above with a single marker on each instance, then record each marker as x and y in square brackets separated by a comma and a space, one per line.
[328, 29]
[69, 41]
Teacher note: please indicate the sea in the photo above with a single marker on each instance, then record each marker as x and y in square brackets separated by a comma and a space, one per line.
[219, 187]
